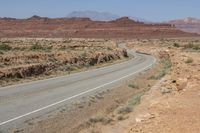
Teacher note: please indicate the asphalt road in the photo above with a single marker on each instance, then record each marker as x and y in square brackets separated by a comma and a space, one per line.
[19, 103]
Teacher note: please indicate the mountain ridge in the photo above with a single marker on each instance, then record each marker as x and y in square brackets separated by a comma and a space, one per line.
[93, 15]
[123, 27]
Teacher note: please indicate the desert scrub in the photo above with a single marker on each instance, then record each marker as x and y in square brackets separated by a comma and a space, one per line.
[192, 46]
[176, 45]
[36, 46]
[49, 48]
[83, 54]
[99, 118]
[124, 110]
[135, 100]
[189, 45]
[134, 86]
[166, 63]
[189, 60]
[5, 47]
[19, 48]
[196, 47]
[120, 118]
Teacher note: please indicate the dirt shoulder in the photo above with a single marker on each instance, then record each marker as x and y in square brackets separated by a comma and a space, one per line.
[83, 113]
[172, 104]
[163, 99]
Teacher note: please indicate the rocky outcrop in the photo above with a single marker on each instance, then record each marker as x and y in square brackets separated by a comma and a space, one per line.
[23, 71]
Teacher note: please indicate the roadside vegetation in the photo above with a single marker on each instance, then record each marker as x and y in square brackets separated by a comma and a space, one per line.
[192, 46]
[133, 101]
[176, 45]
[100, 118]
[37, 47]
[134, 86]
[5, 47]
[166, 65]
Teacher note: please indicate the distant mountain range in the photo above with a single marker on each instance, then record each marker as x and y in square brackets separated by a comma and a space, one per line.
[93, 15]
[189, 24]
[101, 16]
[87, 18]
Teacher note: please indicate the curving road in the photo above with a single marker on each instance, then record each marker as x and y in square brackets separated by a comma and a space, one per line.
[19, 103]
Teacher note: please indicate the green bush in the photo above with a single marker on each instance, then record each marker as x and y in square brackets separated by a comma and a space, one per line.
[176, 45]
[36, 46]
[135, 99]
[5, 47]
[196, 47]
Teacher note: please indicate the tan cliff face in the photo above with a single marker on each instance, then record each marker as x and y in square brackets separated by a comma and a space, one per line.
[84, 27]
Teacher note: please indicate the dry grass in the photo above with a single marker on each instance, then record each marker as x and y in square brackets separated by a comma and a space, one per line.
[99, 118]
[166, 63]
[189, 60]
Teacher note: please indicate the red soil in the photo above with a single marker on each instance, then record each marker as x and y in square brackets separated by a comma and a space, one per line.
[83, 27]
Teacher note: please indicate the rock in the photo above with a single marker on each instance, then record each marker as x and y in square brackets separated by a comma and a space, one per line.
[181, 83]
[139, 119]
[144, 117]
[165, 90]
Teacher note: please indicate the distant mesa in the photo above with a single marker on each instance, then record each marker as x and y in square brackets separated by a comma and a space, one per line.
[189, 24]
[101, 16]
[35, 17]
[84, 27]
[126, 19]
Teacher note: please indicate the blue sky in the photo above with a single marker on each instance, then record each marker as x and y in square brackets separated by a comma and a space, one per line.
[153, 10]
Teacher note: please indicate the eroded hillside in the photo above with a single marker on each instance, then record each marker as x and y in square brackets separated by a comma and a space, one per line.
[22, 59]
